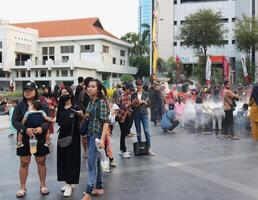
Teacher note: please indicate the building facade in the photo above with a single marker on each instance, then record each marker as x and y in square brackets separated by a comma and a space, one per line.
[56, 52]
[144, 15]
[172, 14]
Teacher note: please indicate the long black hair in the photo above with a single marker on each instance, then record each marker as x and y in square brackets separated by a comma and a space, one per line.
[254, 94]
[61, 104]
[49, 94]
[101, 89]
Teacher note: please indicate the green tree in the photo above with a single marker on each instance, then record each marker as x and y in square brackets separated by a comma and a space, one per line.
[246, 34]
[201, 30]
[126, 78]
[139, 53]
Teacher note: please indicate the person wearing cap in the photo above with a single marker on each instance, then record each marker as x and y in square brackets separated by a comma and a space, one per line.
[140, 101]
[30, 94]
[125, 117]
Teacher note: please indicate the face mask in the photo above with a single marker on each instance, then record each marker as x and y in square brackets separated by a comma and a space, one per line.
[65, 98]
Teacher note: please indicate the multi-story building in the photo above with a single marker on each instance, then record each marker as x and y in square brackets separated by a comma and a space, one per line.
[54, 52]
[144, 15]
[177, 10]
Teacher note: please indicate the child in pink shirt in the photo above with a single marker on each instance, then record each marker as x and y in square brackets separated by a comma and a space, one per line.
[179, 108]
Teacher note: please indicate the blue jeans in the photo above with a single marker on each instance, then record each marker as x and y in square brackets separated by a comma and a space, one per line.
[95, 175]
[140, 118]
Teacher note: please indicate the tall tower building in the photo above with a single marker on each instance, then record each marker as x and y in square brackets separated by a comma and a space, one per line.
[144, 15]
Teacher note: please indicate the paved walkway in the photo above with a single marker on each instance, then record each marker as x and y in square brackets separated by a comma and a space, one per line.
[188, 166]
[4, 122]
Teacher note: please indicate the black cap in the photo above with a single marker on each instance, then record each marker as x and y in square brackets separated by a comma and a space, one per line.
[30, 85]
[129, 86]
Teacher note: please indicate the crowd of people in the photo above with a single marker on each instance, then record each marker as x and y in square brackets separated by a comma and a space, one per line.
[87, 114]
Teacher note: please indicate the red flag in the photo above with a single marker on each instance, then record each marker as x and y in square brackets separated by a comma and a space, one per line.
[177, 59]
[226, 69]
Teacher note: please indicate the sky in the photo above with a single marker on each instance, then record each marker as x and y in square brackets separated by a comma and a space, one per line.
[117, 16]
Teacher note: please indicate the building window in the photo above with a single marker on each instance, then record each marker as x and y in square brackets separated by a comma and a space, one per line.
[175, 23]
[65, 59]
[44, 51]
[1, 57]
[51, 50]
[182, 44]
[17, 74]
[182, 22]
[48, 53]
[1, 45]
[49, 73]
[28, 73]
[87, 48]
[64, 73]
[233, 41]
[122, 62]
[122, 53]
[175, 2]
[44, 59]
[67, 49]
[57, 73]
[175, 43]
[224, 20]
[71, 72]
[225, 42]
[43, 73]
[114, 60]
[37, 73]
[233, 19]
[105, 49]
[23, 74]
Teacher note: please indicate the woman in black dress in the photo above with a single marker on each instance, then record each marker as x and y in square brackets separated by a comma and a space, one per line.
[68, 158]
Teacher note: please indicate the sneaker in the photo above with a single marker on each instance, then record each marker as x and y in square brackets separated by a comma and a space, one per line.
[121, 152]
[65, 186]
[150, 153]
[68, 190]
[235, 138]
[85, 155]
[130, 135]
[11, 135]
[113, 163]
[126, 154]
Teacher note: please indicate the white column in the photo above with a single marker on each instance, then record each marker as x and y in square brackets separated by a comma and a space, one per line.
[111, 80]
[53, 83]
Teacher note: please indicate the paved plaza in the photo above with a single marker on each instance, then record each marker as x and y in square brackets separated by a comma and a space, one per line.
[188, 165]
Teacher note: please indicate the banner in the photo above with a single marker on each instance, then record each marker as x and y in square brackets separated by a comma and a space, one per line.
[226, 69]
[208, 71]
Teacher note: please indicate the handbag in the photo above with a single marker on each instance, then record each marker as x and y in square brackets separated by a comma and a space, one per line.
[84, 127]
[233, 105]
[68, 140]
[140, 148]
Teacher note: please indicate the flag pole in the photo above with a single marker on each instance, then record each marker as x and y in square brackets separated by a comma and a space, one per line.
[151, 50]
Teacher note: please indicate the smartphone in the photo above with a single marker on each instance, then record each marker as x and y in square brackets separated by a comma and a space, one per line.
[76, 111]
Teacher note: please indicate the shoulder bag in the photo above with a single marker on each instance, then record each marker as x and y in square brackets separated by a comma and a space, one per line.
[66, 141]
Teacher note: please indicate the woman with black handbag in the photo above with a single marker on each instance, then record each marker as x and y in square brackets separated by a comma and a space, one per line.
[68, 146]
[98, 114]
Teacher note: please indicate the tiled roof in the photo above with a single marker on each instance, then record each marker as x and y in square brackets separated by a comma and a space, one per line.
[70, 27]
